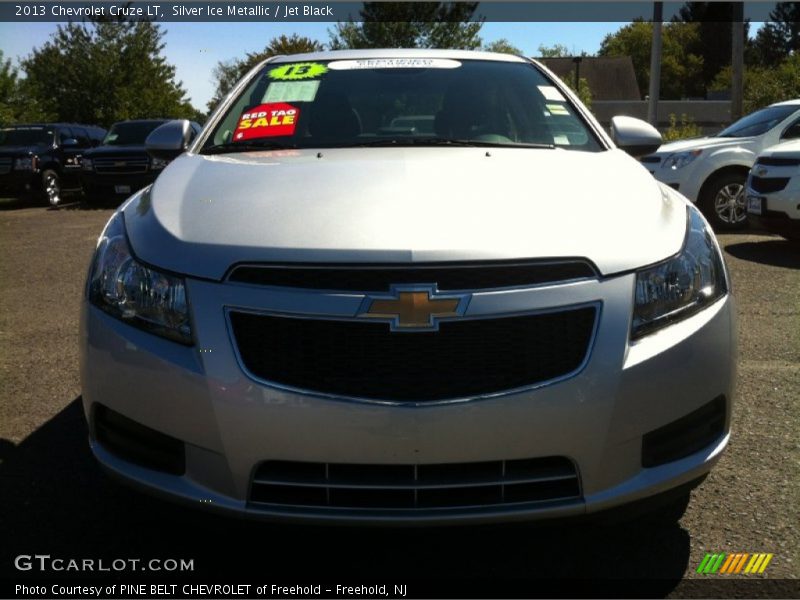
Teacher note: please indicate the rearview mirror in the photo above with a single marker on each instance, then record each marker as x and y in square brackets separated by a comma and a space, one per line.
[169, 140]
[634, 136]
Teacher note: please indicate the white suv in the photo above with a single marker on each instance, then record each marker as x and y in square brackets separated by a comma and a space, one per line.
[773, 190]
[712, 171]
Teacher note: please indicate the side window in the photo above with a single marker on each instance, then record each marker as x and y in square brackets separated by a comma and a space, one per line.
[82, 137]
[63, 134]
[792, 132]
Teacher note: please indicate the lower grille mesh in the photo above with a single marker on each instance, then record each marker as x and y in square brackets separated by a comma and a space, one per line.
[381, 487]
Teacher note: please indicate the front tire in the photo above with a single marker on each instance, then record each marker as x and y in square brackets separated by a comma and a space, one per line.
[723, 201]
[51, 186]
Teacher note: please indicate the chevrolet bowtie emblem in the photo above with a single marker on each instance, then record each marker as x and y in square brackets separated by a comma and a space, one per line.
[414, 308]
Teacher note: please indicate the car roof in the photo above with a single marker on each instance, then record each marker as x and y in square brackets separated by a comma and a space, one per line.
[398, 53]
[52, 125]
[793, 102]
[159, 120]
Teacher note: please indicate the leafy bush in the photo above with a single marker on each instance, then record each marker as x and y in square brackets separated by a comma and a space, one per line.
[687, 128]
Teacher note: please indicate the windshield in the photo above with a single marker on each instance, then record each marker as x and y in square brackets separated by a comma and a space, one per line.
[759, 122]
[132, 133]
[25, 136]
[415, 101]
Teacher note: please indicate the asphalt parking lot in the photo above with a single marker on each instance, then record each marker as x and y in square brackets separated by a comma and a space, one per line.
[54, 499]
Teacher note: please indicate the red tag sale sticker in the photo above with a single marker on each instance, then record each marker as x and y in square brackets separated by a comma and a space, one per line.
[267, 120]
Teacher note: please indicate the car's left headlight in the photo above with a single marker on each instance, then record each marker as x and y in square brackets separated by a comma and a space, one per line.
[135, 293]
[156, 164]
[682, 285]
[25, 164]
[681, 159]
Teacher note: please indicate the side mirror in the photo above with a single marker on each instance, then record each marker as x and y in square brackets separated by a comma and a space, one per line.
[634, 136]
[69, 143]
[169, 140]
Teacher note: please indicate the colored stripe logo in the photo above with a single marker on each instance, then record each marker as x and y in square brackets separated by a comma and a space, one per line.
[738, 562]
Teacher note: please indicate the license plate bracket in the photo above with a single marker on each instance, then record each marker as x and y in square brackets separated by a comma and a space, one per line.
[756, 205]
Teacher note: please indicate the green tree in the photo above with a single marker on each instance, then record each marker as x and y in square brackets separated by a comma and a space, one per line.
[554, 51]
[681, 69]
[227, 74]
[765, 85]
[778, 37]
[8, 91]
[104, 72]
[410, 25]
[503, 46]
[713, 43]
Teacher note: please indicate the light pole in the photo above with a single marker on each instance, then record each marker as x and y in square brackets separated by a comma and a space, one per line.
[577, 60]
[655, 65]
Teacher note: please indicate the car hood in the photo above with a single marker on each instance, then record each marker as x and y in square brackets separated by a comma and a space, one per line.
[701, 143]
[404, 205]
[791, 148]
[22, 150]
[113, 150]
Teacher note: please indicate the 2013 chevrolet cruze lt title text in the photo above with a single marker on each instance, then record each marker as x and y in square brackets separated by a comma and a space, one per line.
[408, 286]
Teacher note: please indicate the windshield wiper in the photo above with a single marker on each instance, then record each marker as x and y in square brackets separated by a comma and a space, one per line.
[245, 147]
[435, 141]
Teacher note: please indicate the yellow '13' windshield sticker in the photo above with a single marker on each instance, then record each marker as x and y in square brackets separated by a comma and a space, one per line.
[296, 71]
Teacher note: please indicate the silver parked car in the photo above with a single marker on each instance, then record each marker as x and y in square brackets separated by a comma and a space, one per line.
[408, 286]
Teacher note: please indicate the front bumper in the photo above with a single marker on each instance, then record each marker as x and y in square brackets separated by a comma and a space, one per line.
[780, 210]
[230, 423]
[686, 180]
[20, 182]
[95, 184]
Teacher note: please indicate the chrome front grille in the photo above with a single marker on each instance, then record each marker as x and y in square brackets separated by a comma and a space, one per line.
[5, 165]
[121, 165]
[281, 484]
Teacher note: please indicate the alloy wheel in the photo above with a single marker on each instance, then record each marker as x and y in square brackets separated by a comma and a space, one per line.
[730, 204]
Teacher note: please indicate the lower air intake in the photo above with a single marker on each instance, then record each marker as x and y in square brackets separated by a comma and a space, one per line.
[412, 487]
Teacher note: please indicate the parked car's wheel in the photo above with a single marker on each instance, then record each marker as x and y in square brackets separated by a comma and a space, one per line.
[724, 202]
[51, 185]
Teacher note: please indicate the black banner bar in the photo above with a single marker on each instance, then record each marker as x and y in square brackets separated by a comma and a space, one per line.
[292, 12]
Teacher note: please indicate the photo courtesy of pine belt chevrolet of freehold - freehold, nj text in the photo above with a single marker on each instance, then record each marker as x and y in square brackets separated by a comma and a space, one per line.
[408, 286]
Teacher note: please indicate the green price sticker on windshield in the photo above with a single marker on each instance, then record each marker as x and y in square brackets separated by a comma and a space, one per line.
[297, 71]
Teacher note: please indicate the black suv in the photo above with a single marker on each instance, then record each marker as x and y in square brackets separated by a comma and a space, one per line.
[44, 159]
[121, 165]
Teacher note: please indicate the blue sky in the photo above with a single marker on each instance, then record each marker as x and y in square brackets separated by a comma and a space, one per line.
[194, 48]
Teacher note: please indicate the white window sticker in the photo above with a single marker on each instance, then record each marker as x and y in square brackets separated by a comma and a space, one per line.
[557, 109]
[394, 63]
[551, 93]
[561, 140]
[291, 91]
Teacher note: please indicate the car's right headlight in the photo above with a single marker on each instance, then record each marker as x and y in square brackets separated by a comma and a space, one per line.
[680, 159]
[135, 293]
[680, 286]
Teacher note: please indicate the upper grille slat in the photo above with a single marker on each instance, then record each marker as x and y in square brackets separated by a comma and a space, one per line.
[767, 185]
[365, 360]
[776, 161]
[380, 278]
[121, 165]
